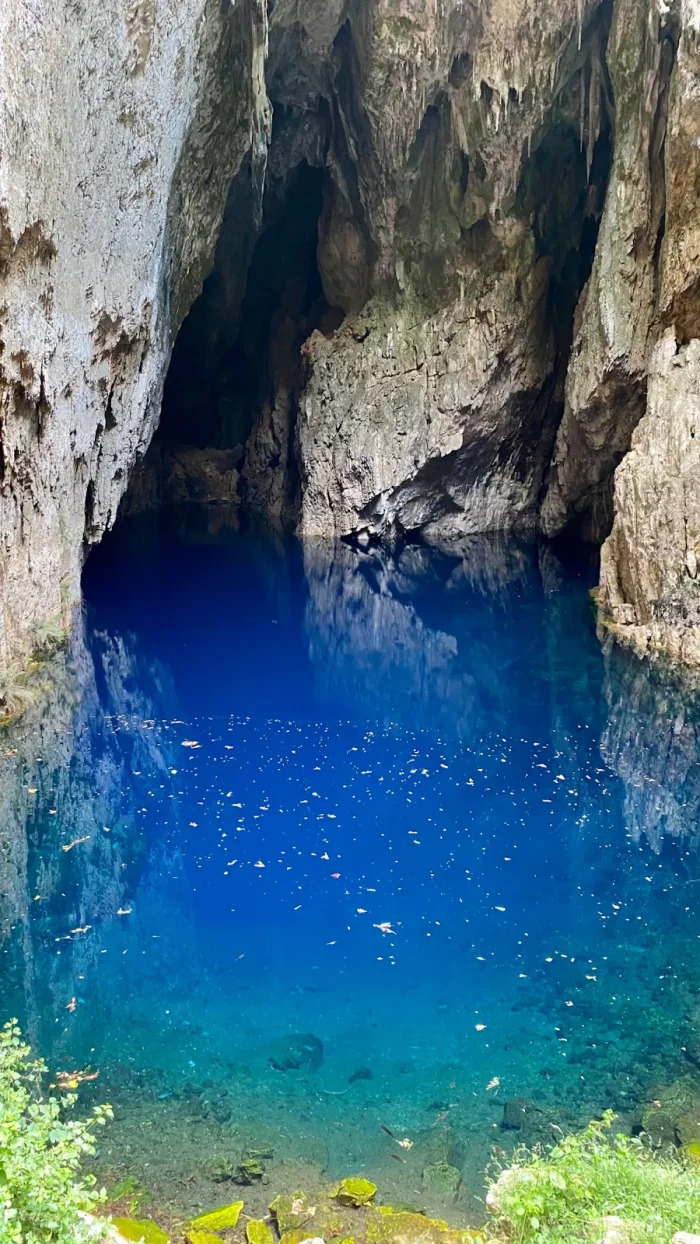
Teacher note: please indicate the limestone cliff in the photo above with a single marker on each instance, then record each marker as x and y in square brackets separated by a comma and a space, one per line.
[450, 248]
[121, 127]
[649, 571]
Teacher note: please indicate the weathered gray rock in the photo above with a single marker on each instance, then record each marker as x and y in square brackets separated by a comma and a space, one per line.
[649, 563]
[649, 586]
[121, 129]
[606, 378]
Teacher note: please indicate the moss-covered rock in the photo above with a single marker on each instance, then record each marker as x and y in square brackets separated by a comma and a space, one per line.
[688, 1126]
[659, 1125]
[137, 1229]
[400, 1207]
[442, 1178]
[202, 1237]
[249, 1171]
[130, 1190]
[292, 1210]
[223, 1219]
[434, 1146]
[297, 1236]
[258, 1232]
[218, 1169]
[405, 1228]
[354, 1191]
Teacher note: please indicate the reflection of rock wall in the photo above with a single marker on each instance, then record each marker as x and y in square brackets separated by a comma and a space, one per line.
[372, 642]
[72, 774]
[652, 741]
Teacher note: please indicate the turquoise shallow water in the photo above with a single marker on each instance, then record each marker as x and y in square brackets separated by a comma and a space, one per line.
[405, 806]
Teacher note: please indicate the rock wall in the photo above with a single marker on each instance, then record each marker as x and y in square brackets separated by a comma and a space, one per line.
[649, 586]
[121, 127]
[482, 228]
[435, 409]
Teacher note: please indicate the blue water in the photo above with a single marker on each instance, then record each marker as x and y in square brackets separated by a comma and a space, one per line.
[408, 805]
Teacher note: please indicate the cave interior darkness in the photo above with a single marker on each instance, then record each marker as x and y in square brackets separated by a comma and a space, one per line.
[241, 343]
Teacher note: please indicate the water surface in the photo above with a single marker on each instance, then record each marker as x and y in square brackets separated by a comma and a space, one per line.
[405, 806]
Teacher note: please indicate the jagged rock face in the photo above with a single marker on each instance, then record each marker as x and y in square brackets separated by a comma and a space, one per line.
[452, 151]
[435, 296]
[121, 126]
[606, 380]
[435, 409]
[649, 568]
[649, 584]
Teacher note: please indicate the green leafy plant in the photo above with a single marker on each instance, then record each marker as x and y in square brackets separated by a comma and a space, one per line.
[560, 1195]
[42, 1188]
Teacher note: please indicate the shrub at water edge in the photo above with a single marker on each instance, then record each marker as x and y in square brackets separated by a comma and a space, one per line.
[42, 1189]
[560, 1196]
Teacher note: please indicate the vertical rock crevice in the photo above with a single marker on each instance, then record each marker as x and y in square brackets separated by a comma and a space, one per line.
[607, 375]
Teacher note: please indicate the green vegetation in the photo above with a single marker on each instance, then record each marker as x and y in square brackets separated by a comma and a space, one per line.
[559, 1197]
[42, 1189]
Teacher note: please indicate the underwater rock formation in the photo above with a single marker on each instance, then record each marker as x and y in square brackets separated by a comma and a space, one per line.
[452, 256]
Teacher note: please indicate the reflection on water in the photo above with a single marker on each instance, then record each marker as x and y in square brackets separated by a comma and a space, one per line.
[304, 842]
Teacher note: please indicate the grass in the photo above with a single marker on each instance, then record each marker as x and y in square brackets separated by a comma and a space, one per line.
[18, 685]
[559, 1196]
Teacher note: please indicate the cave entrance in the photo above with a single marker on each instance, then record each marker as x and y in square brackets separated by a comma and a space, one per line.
[227, 427]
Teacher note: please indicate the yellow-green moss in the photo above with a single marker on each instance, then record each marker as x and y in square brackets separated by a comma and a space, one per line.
[202, 1237]
[410, 1228]
[141, 1229]
[354, 1191]
[224, 1219]
[258, 1232]
[296, 1236]
[292, 1210]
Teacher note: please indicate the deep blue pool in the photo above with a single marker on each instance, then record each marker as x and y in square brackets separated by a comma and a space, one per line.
[311, 841]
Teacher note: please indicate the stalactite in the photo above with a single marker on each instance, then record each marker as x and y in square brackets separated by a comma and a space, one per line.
[594, 107]
[582, 107]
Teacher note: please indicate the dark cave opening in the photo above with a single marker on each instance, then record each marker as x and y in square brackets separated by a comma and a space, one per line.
[229, 401]
[563, 188]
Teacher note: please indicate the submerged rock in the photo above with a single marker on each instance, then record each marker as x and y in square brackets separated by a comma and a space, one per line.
[354, 1191]
[532, 1122]
[249, 1171]
[515, 1113]
[442, 1178]
[292, 1210]
[144, 1229]
[223, 1219]
[406, 1228]
[218, 1169]
[258, 1232]
[362, 1073]
[300, 1051]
